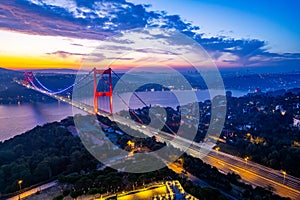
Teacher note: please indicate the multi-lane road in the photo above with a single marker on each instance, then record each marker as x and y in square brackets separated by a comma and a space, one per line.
[253, 173]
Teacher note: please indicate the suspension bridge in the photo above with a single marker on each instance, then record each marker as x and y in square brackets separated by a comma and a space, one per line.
[31, 81]
[251, 172]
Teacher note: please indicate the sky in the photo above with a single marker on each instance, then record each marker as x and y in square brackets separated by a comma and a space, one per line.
[276, 21]
[76, 33]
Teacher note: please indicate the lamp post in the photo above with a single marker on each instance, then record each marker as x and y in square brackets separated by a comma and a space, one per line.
[284, 175]
[20, 187]
[180, 160]
[246, 159]
[217, 149]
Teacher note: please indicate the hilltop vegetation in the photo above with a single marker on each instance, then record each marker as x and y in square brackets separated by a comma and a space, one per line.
[41, 154]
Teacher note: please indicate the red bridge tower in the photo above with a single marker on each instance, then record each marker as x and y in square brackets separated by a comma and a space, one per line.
[97, 94]
[28, 77]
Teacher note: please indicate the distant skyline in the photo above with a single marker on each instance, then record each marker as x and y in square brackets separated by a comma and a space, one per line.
[60, 34]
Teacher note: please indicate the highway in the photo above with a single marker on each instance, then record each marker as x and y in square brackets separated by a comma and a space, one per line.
[253, 173]
[250, 172]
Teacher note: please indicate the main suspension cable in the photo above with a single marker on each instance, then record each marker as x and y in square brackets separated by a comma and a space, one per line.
[63, 90]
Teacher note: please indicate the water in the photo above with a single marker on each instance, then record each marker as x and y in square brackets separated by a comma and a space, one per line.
[17, 119]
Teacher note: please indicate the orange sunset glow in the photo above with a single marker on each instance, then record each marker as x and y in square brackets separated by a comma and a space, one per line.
[24, 51]
[17, 62]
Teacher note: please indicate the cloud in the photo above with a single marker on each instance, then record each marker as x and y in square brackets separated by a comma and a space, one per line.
[79, 45]
[64, 54]
[34, 19]
[116, 47]
[119, 58]
[93, 19]
[246, 52]
[95, 57]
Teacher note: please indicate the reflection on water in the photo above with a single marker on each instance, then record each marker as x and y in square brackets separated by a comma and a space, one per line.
[15, 120]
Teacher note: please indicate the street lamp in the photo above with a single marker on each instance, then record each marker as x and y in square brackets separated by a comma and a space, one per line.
[284, 175]
[246, 159]
[20, 187]
[217, 149]
[181, 161]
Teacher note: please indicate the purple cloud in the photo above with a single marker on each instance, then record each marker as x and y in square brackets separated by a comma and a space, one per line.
[64, 54]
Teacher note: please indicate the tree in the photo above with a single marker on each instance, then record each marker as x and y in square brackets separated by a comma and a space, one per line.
[60, 197]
